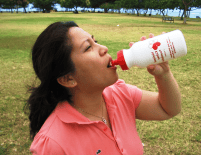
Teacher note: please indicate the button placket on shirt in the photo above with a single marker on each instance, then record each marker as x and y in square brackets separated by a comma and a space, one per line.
[103, 127]
[113, 132]
[118, 141]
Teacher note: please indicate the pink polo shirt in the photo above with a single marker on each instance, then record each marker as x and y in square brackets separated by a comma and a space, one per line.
[68, 132]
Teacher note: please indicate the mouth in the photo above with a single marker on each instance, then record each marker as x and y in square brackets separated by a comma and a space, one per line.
[110, 66]
[109, 63]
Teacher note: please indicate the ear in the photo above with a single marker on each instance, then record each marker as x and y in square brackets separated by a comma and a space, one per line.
[67, 81]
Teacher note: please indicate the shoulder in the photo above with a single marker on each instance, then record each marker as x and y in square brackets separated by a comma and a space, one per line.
[44, 145]
[44, 142]
[122, 86]
[127, 92]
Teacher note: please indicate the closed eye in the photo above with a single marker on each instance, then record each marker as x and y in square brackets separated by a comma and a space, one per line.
[88, 48]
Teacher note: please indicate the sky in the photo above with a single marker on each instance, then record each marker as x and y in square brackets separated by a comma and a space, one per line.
[193, 14]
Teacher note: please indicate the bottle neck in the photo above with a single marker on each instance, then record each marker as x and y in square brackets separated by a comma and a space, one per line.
[120, 60]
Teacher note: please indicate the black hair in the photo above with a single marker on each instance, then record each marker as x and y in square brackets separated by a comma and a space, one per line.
[51, 57]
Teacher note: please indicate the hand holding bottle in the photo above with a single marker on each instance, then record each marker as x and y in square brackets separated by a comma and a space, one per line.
[155, 69]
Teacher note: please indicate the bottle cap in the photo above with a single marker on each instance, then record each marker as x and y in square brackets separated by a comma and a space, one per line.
[120, 61]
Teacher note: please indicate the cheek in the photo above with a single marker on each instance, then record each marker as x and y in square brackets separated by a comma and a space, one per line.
[89, 64]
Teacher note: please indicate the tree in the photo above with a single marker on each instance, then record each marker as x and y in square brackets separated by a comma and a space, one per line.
[172, 4]
[186, 4]
[197, 3]
[117, 5]
[150, 4]
[77, 3]
[2, 3]
[45, 5]
[161, 5]
[96, 3]
[66, 4]
[73, 4]
[85, 3]
[129, 4]
[106, 6]
[102, 3]
[21, 3]
[8, 4]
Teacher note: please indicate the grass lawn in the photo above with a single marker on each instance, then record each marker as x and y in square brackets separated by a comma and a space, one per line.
[180, 135]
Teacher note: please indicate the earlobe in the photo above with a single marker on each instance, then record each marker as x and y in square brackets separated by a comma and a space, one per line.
[67, 81]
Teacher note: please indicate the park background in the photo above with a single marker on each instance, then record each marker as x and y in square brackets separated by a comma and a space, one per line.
[176, 8]
[174, 13]
[180, 135]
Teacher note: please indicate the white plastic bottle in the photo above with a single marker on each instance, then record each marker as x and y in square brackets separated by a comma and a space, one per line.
[152, 51]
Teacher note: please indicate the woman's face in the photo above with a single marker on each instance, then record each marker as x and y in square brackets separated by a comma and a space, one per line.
[91, 61]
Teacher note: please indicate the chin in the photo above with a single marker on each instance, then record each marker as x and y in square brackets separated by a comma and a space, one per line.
[113, 80]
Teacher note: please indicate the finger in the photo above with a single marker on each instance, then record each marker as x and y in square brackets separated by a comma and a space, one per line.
[131, 44]
[151, 67]
[151, 35]
[143, 38]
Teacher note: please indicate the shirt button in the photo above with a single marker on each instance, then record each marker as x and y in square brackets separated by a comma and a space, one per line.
[105, 129]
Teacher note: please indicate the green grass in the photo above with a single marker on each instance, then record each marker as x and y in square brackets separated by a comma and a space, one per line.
[180, 135]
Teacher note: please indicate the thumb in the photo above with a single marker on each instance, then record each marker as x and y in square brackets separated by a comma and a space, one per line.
[151, 69]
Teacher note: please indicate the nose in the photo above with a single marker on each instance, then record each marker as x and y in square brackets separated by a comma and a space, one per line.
[103, 50]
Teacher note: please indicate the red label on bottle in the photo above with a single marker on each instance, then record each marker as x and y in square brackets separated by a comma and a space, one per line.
[171, 48]
[155, 45]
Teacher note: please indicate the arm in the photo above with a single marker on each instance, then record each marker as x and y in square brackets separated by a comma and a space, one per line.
[167, 102]
[162, 105]
[169, 94]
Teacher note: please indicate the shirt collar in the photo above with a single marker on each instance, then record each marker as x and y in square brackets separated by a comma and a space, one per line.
[68, 114]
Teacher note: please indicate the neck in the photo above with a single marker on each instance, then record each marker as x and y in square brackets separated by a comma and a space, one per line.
[89, 102]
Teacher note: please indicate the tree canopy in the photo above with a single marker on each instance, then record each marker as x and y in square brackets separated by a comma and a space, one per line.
[135, 5]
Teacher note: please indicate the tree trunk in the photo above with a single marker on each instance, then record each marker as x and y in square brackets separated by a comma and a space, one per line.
[105, 10]
[185, 14]
[137, 12]
[182, 15]
[150, 11]
[163, 12]
[186, 8]
[25, 11]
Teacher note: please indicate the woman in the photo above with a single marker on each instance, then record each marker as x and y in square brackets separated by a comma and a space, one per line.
[81, 107]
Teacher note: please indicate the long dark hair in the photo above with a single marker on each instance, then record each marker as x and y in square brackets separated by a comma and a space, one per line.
[51, 60]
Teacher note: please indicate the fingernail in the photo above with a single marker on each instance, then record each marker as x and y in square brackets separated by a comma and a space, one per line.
[151, 67]
[131, 44]
[151, 35]
[143, 38]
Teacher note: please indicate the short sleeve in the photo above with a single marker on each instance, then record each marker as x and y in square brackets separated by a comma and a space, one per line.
[129, 92]
[136, 94]
[43, 145]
